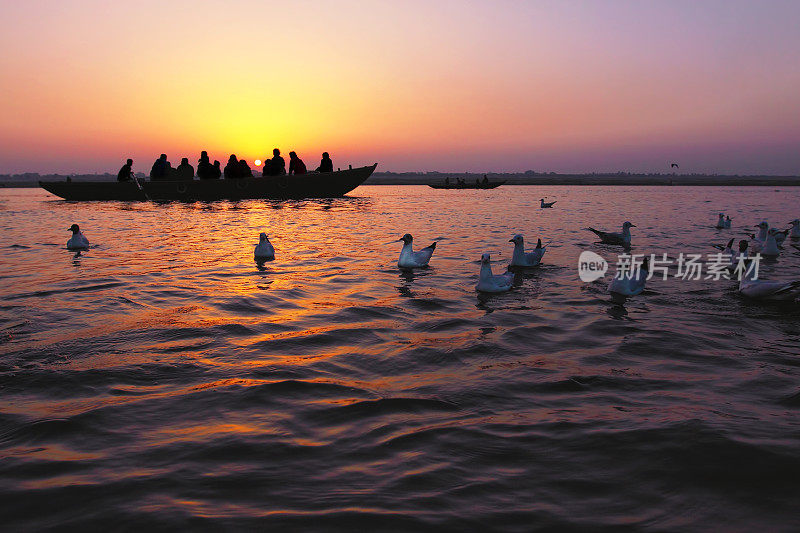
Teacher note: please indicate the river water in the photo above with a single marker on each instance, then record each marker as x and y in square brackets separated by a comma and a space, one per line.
[162, 379]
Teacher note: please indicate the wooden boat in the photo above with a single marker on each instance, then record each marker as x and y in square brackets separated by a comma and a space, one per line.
[490, 185]
[311, 185]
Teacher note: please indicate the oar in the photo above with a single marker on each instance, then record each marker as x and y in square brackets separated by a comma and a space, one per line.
[136, 181]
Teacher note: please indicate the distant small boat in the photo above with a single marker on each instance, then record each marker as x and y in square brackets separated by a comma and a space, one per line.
[490, 185]
[311, 185]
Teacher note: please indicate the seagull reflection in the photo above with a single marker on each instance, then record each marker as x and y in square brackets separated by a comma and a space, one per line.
[617, 310]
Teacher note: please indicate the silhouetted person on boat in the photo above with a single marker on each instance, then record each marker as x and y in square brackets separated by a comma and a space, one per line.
[185, 170]
[244, 169]
[276, 166]
[485, 180]
[126, 172]
[162, 169]
[447, 181]
[205, 170]
[296, 165]
[217, 172]
[326, 165]
[232, 168]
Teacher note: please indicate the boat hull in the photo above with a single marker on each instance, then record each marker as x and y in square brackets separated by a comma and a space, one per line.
[470, 186]
[312, 185]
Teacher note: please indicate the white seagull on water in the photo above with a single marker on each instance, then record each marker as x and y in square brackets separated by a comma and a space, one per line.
[78, 241]
[489, 282]
[411, 259]
[521, 258]
[623, 238]
[264, 250]
[631, 283]
[768, 290]
[794, 233]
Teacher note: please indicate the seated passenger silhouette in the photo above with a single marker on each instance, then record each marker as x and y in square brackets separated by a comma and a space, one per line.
[268, 169]
[161, 169]
[326, 165]
[205, 170]
[217, 171]
[296, 165]
[126, 172]
[185, 170]
[244, 169]
[276, 165]
[485, 180]
[232, 168]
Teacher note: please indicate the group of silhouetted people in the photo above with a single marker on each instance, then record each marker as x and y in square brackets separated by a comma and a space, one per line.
[235, 169]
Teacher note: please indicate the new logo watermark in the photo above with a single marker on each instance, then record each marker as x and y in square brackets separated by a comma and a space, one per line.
[591, 266]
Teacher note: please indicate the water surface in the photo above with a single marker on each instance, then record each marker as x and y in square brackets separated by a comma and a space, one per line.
[162, 379]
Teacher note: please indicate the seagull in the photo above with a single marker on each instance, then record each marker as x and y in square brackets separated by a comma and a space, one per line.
[78, 241]
[264, 250]
[546, 205]
[760, 238]
[623, 238]
[743, 254]
[770, 247]
[780, 236]
[795, 231]
[411, 259]
[488, 282]
[768, 290]
[727, 221]
[631, 283]
[529, 259]
[721, 221]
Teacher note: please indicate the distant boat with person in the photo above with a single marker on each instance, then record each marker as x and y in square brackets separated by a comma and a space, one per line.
[459, 183]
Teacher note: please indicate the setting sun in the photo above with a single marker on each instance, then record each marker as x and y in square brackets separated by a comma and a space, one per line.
[257, 162]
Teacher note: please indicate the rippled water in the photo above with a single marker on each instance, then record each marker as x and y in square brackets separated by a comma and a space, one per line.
[161, 379]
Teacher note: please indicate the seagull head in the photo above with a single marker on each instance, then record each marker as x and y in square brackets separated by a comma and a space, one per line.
[627, 224]
[516, 239]
[485, 259]
[263, 237]
[743, 244]
[74, 228]
[407, 238]
[645, 264]
[763, 224]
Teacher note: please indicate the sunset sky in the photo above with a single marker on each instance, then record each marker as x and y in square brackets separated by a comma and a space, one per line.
[449, 85]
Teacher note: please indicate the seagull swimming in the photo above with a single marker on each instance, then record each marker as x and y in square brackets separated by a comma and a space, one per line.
[721, 221]
[770, 247]
[78, 241]
[546, 205]
[526, 259]
[759, 238]
[631, 283]
[767, 290]
[264, 250]
[727, 221]
[489, 282]
[411, 259]
[741, 255]
[623, 238]
[794, 233]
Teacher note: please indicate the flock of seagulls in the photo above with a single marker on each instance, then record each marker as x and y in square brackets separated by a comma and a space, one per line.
[767, 242]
